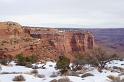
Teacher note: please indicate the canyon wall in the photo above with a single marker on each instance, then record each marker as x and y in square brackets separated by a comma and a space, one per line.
[68, 43]
[44, 42]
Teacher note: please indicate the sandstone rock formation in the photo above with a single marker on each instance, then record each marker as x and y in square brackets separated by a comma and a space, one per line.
[44, 42]
[68, 43]
[10, 29]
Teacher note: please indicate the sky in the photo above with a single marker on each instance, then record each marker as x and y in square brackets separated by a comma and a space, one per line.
[84, 13]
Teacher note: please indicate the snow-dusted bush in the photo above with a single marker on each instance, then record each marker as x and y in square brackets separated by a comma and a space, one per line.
[121, 74]
[35, 72]
[40, 76]
[4, 61]
[50, 65]
[32, 59]
[53, 75]
[5, 72]
[22, 60]
[64, 80]
[19, 78]
[43, 67]
[78, 68]
[54, 80]
[11, 72]
[72, 73]
[63, 64]
[99, 58]
[35, 67]
[29, 65]
[122, 80]
[86, 75]
[115, 67]
[115, 79]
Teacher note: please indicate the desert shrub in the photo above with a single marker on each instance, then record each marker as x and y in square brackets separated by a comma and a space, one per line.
[121, 59]
[82, 71]
[34, 71]
[53, 75]
[43, 67]
[119, 68]
[96, 57]
[75, 68]
[29, 65]
[80, 59]
[63, 64]
[54, 80]
[11, 72]
[86, 75]
[4, 61]
[21, 59]
[99, 58]
[115, 79]
[35, 67]
[64, 80]
[19, 78]
[122, 64]
[40, 76]
[50, 65]
[73, 73]
[121, 74]
[31, 59]
[5, 72]
[122, 80]
[115, 67]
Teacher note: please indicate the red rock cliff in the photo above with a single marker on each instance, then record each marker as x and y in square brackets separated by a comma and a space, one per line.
[66, 42]
[45, 42]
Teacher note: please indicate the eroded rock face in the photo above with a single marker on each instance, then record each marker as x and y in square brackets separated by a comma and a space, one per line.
[75, 42]
[44, 42]
[66, 42]
[10, 29]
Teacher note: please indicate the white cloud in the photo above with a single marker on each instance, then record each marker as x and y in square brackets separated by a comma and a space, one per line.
[86, 12]
[7, 1]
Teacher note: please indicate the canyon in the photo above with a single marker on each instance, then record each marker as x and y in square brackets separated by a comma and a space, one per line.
[46, 43]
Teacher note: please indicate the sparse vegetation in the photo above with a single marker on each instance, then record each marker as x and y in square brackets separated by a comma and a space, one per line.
[86, 75]
[32, 58]
[22, 60]
[29, 65]
[53, 75]
[80, 59]
[54, 80]
[35, 72]
[63, 64]
[35, 67]
[40, 76]
[19, 78]
[64, 80]
[73, 73]
[100, 58]
[115, 79]
[4, 61]
[97, 57]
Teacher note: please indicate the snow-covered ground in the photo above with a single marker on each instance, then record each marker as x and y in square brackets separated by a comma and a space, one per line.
[49, 69]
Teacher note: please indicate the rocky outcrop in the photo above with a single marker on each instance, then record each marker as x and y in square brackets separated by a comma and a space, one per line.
[44, 42]
[10, 29]
[65, 42]
[69, 42]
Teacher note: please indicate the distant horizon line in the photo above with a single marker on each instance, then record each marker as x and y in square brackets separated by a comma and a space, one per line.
[60, 25]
